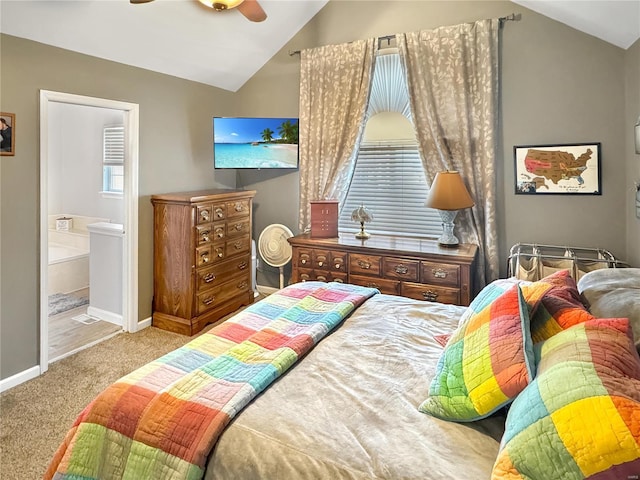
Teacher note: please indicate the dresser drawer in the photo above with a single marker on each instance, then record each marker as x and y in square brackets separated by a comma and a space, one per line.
[431, 293]
[239, 208]
[203, 233]
[321, 259]
[391, 287]
[213, 297]
[238, 227]
[211, 276]
[339, 262]
[302, 258]
[218, 233]
[402, 269]
[441, 274]
[238, 245]
[364, 264]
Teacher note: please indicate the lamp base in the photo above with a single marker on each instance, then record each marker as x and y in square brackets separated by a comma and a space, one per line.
[362, 235]
[448, 239]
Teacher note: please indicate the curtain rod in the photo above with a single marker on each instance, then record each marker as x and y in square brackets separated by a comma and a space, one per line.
[513, 17]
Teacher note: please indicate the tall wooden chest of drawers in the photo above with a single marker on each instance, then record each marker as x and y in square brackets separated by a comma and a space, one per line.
[411, 267]
[201, 257]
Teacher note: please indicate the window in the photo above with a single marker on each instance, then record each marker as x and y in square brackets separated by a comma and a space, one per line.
[389, 177]
[113, 161]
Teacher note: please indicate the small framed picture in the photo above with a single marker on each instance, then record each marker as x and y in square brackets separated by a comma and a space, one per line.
[558, 169]
[7, 133]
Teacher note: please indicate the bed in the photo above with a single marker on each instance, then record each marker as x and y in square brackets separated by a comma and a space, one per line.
[361, 403]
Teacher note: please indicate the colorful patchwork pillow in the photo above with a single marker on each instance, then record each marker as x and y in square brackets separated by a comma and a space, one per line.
[559, 309]
[488, 359]
[580, 417]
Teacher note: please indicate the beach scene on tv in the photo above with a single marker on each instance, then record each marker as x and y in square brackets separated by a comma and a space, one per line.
[255, 142]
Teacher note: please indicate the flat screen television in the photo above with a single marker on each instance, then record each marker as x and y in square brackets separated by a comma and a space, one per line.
[243, 142]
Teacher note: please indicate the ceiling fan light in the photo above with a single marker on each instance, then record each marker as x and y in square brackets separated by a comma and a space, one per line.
[220, 5]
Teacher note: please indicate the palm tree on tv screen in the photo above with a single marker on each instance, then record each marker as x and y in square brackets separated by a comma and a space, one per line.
[289, 132]
[267, 135]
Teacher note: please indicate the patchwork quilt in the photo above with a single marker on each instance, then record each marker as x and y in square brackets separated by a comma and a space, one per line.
[162, 420]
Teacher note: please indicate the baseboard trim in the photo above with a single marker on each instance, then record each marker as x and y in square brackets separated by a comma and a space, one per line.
[264, 290]
[19, 378]
[142, 324]
[105, 315]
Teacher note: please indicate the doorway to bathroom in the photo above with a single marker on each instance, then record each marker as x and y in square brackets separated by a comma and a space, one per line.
[88, 207]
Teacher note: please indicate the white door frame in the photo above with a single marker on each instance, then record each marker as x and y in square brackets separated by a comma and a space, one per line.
[130, 195]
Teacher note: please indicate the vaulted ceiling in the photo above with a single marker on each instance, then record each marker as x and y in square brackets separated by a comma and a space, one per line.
[186, 39]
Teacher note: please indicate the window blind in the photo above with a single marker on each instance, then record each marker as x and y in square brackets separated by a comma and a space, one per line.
[113, 145]
[389, 181]
[113, 159]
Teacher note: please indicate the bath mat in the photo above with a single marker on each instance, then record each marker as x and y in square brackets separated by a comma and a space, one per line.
[61, 302]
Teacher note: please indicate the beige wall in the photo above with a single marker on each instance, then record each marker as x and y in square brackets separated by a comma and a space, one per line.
[175, 154]
[559, 85]
[632, 112]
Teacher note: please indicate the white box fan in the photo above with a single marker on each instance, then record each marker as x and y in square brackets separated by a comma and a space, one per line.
[274, 248]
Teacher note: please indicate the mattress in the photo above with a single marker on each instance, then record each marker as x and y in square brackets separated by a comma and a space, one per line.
[349, 409]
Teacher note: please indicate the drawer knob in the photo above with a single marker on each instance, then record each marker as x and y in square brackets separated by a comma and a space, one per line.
[239, 226]
[209, 277]
[338, 265]
[303, 261]
[338, 280]
[430, 296]
[320, 263]
[242, 266]
[242, 285]
[220, 252]
[239, 207]
[204, 236]
[401, 269]
[204, 257]
[208, 300]
[219, 212]
[439, 273]
[219, 232]
[237, 245]
[204, 215]
[364, 265]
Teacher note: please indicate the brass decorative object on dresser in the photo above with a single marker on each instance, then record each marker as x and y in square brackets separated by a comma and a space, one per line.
[412, 267]
[201, 257]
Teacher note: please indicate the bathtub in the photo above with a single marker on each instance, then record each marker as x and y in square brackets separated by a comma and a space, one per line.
[68, 269]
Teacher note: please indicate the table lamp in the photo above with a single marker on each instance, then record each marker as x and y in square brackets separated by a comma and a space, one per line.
[361, 215]
[448, 195]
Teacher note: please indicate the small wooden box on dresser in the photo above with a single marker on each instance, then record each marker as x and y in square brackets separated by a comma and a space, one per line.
[201, 257]
[411, 267]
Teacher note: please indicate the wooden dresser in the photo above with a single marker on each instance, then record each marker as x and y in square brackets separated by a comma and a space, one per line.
[201, 257]
[412, 267]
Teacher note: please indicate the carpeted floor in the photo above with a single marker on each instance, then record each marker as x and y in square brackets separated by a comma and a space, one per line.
[35, 415]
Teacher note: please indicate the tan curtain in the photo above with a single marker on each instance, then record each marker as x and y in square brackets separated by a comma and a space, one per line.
[452, 74]
[334, 93]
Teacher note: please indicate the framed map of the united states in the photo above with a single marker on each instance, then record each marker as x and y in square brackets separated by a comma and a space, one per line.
[567, 169]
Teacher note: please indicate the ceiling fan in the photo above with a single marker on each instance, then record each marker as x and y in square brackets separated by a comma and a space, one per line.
[249, 8]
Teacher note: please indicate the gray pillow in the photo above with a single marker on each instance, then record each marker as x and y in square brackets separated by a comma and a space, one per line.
[612, 293]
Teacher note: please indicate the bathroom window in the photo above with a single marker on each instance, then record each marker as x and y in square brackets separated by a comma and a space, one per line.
[113, 161]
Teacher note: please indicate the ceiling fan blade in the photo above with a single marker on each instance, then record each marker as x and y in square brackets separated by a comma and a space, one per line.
[252, 10]
[135, 2]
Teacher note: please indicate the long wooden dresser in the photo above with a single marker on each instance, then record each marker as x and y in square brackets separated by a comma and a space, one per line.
[201, 257]
[411, 267]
